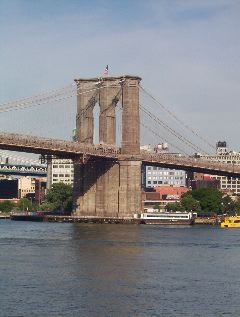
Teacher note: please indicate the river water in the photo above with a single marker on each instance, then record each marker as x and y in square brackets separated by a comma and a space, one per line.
[54, 269]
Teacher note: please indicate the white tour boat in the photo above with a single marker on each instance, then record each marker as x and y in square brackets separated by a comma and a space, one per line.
[168, 218]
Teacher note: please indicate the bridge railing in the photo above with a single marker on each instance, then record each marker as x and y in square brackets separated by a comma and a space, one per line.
[13, 141]
[28, 141]
[190, 161]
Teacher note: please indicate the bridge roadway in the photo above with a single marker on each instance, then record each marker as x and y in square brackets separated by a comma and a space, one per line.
[74, 150]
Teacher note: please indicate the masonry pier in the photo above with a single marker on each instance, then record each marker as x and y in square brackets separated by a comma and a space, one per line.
[108, 188]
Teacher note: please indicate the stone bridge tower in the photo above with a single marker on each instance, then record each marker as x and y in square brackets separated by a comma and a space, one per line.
[102, 187]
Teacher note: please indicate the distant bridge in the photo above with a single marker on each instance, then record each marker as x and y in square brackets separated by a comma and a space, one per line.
[23, 170]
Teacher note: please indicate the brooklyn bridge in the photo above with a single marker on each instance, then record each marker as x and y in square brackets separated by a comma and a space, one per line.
[107, 176]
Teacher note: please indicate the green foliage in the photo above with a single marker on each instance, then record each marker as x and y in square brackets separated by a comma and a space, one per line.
[190, 204]
[174, 207]
[60, 197]
[228, 205]
[206, 201]
[6, 206]
[210, 199]
[47, 206]
[25, 204]
[156, 206]
[237, 206]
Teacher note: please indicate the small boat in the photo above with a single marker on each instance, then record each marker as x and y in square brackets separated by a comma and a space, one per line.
[168, 218]
[231, 222]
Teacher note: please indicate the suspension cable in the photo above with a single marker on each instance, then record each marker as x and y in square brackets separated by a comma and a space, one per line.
[52, 98]
[156, 134]
[176, 118]
[39, 96]
[172, 131]
[159, 136]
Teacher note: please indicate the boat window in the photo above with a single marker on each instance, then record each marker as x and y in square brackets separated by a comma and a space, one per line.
[237, 221]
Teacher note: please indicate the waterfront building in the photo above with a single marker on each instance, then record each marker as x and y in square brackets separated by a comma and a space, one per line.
[40, 190]
[158, 176]
[26, 186]
[59, 171]
[17, 188]
[8, 189]
[162, 196]
[226, 184]
[199, 180]
[153, 176]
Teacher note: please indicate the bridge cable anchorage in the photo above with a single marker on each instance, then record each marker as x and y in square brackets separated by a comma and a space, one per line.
[165, 140]
[58, 95]
[176, 118]
[172, 131]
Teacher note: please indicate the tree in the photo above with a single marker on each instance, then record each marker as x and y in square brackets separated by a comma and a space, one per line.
[210, 199]
[228, 205]
[174, 207]
[25, 205]
[237, 206]
[6, 206]
[156, 206]
[60, 196]
[190, 204]
[46, 206]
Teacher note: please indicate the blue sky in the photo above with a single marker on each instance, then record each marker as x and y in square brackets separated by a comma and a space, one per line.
[187, 53]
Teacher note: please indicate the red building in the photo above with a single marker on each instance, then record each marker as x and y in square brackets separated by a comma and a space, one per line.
[162, 196]
[171, 192]
[40, 190]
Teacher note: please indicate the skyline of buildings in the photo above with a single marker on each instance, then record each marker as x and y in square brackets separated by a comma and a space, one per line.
[224, 155]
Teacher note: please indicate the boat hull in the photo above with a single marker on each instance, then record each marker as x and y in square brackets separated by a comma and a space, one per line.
[231, 222]
[35, 218]
[166, 222]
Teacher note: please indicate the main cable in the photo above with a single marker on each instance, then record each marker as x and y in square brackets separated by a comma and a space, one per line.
[169, 129]
[158, 135]
[31, 99]
[176, 118]
[52, 98]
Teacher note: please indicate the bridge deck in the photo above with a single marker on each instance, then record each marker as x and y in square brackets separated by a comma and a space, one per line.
[40, 145]
[62, 148]
[192, 164]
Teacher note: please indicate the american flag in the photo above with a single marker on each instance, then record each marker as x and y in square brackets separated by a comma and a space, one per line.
[106, 70]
